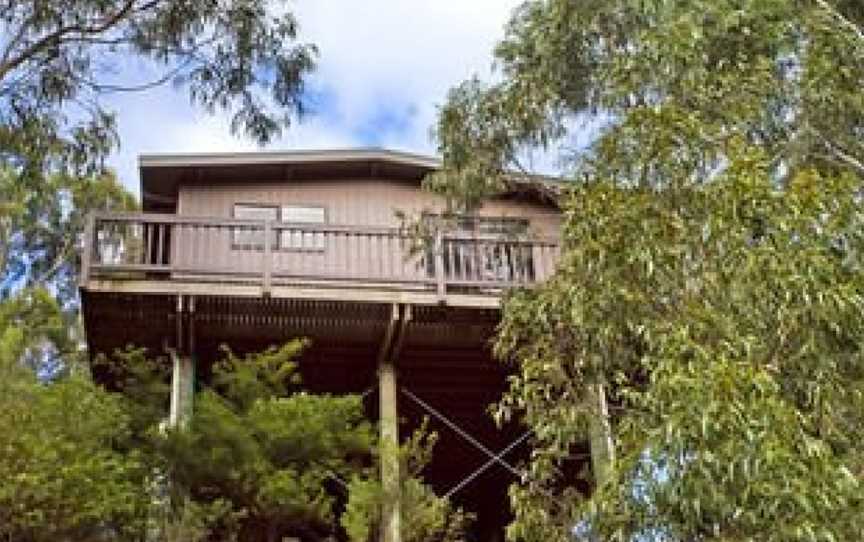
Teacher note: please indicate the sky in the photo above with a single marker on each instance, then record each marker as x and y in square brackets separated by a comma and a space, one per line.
[384, 68]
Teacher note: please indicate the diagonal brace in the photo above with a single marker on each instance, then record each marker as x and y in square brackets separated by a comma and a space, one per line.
[485, 466]
[461, 432]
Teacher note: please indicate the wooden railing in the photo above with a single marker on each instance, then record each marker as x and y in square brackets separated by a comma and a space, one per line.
[170, 247]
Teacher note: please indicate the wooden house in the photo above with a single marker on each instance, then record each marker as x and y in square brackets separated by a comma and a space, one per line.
[254, 249]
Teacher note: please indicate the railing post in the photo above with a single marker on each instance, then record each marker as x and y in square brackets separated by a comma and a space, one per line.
[268, 258]
[440, 279]
[88, 249]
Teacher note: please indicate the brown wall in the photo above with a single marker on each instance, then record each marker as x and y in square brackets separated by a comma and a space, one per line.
[349, 202]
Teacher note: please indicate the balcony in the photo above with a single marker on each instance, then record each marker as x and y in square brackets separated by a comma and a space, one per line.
[362, 296]
[171, 254]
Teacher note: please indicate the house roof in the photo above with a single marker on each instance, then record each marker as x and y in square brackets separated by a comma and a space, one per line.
[161, 174]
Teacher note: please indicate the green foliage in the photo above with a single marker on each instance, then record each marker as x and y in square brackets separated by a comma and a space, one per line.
[58, 60]
[40, 246]
[259, 459]
[240, 56]
[33, 328]
[730, 333]
[711, 275]
[273, 455]
[66, 475]
[425, 516]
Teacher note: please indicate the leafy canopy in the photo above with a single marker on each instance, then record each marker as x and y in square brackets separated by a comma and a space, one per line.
[711, 272]
[59, 61]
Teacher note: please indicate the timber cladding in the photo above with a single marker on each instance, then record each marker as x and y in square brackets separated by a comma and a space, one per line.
[355, 203]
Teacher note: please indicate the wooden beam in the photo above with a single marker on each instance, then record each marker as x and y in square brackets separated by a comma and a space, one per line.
[387, 340]
[323, 293]
[400, 336]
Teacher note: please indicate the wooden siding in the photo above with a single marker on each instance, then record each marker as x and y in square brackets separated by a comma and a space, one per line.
[359, 202]
[354, 202]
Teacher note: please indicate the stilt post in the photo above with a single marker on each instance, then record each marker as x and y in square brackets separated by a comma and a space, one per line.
[182, 389]
[391, 514]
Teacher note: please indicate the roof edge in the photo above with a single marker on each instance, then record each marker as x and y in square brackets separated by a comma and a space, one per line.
[157, 160]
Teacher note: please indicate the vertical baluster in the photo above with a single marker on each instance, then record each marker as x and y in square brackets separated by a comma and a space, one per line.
[188, 250]
[514, 252]
[397, 244]
[524, 261]
[481, 252]
[211, 258]
[352, 254]
[327, 255]
[268, 257]
[374, 256]
[384, 247]
[363, 268]
[160, 232]
[471, 256]
[138, 233]
[537, 257]
[440, 279]
[114, 244]
[479, 255]
[511, 262]
[145, 250]
[344, 257]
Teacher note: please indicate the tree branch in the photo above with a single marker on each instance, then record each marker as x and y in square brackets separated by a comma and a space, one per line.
[842, 19]
[844, 157]
[14, 41]
[57, 36]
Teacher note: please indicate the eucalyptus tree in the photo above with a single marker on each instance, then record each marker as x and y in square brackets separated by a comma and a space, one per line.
[58, 63]
[59, 60]
[711, 273]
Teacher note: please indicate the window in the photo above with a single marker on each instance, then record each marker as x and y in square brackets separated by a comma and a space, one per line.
[253, 237]
[299, 215]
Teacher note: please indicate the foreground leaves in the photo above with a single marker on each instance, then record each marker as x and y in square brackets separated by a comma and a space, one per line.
[711, 273]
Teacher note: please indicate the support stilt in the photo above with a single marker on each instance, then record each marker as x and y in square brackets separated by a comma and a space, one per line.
[391, 515]
[182, 389]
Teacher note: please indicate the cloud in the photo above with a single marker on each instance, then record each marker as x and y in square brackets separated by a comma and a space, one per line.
[385, 66]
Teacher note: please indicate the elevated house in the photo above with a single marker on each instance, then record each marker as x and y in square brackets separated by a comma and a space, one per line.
[254, 249]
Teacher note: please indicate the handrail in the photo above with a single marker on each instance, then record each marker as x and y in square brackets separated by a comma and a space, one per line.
[162, 218]
[163, 246]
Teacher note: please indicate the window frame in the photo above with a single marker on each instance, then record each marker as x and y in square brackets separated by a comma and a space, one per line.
[257, 245]
[282, 237]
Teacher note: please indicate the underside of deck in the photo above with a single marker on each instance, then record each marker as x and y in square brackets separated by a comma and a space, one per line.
[445, 371]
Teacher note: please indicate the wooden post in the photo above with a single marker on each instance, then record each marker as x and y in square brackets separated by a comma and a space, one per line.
[389, 446]
[182, 389]
[439, 266]
[268, 257]
[600, 435]
[182, 366]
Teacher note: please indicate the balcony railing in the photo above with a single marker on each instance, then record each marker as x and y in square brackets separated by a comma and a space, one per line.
[170, 247]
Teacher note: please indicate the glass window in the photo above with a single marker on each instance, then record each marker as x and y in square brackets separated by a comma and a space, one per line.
[296, 238]
[252, 237]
